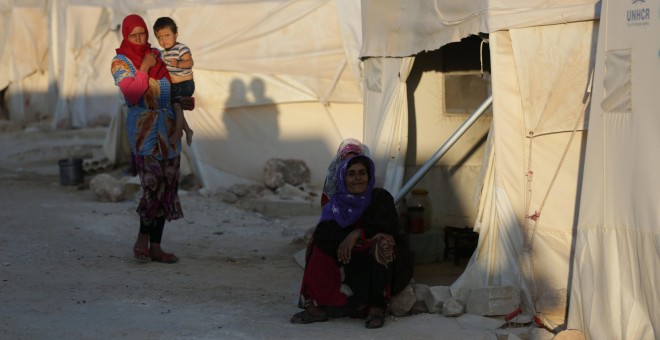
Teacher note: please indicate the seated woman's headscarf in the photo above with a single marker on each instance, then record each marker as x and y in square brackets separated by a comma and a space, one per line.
[345, 208]
[136, 52]
[349, 145]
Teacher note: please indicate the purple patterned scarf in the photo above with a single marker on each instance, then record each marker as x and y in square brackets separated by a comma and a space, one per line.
[345, 208]
[350, 145]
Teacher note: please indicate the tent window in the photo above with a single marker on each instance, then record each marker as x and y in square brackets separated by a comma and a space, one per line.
[464, 92]
[617, 82]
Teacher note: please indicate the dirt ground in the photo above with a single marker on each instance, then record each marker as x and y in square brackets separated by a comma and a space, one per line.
[67, 272]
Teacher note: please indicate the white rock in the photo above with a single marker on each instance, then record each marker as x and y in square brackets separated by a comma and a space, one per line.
[107, 188]
[403, 302]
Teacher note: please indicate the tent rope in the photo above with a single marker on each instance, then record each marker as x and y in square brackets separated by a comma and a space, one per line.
[528, 191]
[537, 214]
[528, 199]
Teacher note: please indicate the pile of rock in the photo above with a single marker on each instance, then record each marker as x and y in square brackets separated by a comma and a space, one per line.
[421, 298]
[280, 172]
[284, 179]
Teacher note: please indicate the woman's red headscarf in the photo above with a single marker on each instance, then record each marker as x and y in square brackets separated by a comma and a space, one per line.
[136, 52]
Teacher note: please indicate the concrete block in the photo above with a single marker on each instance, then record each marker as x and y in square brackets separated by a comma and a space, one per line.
[436, 297]
[492, 301]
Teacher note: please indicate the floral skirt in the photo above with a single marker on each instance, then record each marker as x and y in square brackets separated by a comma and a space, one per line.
[160, 184]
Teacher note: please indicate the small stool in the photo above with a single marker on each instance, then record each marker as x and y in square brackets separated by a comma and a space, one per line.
[460, 242]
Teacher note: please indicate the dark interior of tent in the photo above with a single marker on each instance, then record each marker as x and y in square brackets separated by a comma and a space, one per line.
[463, 67]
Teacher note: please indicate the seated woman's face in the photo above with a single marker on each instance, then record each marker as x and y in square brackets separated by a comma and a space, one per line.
[357, 178]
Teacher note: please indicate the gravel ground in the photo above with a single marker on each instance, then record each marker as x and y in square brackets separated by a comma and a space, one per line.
[67, 272]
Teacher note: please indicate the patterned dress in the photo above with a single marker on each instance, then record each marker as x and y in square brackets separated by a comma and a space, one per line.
[148, 125]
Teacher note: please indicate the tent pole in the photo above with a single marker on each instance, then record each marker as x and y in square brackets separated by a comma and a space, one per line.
[443, 149]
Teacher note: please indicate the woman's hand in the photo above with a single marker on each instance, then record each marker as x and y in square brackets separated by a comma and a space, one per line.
[387, 237]
[346, 246]
[148, 61]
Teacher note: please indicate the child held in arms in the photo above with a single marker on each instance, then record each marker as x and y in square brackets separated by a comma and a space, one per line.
[179, 63]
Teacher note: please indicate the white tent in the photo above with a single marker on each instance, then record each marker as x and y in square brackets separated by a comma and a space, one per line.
[275, 79]
[24, 59]
[534, 183]
[615, 291]
[540, 62]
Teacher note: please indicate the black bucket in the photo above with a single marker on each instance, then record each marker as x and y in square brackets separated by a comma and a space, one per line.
[71, 171]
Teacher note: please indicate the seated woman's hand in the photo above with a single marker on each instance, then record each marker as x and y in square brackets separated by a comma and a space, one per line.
[383, 250]
[346, 246]
[387, 238]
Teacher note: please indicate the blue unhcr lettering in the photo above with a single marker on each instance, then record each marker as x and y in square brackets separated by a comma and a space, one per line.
[639, 14]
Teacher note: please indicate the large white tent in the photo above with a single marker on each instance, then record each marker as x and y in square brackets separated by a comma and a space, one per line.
[275, 79]
[534, 181]
[541, 57]
[615, 291]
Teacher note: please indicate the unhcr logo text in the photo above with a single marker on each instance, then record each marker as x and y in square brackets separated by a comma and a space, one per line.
[638, 16]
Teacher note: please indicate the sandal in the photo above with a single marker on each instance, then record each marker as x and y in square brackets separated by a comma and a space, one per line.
[374, 321]
[304, 317]
[165, 258]
[141, 255]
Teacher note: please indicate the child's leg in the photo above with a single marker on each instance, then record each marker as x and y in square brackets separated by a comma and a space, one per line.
[185, 91]
[187, 129]
[179, 122]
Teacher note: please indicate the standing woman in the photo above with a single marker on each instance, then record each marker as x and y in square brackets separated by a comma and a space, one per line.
[144, 81]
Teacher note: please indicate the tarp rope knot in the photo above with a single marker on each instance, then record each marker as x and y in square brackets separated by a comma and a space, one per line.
[535, 216]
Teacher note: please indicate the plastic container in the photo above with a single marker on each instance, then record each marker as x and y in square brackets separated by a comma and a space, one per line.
[71, 171]
[419, 211]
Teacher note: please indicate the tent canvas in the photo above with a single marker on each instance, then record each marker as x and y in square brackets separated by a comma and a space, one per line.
[535, 164]
[616, 278]
[537, 160]
[24, 60]
[275, 79]
[542, 58]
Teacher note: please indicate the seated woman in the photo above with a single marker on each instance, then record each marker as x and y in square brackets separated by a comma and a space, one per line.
[348, 262]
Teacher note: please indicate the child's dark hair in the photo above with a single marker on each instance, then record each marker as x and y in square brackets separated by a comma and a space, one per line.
[164, 22]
